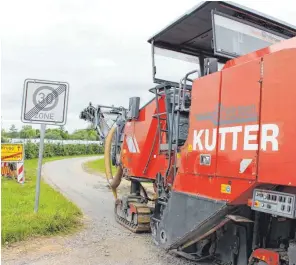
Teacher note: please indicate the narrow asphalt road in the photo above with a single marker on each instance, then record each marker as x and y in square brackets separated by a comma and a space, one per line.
[102, 241]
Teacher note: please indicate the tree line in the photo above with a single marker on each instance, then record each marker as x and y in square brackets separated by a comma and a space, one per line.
[27, 132]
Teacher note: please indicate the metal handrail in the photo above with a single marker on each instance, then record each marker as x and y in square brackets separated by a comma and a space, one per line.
[181, 107]
[158, 118]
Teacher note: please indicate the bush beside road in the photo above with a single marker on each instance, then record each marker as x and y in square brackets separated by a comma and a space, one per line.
[56, 213]
[53, 149]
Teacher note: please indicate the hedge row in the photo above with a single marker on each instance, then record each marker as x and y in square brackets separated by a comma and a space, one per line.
[50, 149]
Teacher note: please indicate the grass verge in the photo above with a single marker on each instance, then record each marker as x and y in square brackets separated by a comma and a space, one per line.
[97, 166]
[56, 214]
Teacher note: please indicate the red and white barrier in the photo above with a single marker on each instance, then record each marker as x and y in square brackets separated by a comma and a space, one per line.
[20, 173]
[6, 171]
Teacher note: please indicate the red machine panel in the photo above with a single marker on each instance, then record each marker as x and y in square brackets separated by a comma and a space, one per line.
[202, 136]
[202, 180]
[138, 149]
[277, 160]
[239, 121]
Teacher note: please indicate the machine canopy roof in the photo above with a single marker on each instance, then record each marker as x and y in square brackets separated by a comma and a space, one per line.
[193, 32]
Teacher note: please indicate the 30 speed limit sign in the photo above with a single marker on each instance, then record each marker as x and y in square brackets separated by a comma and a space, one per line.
[45, 102]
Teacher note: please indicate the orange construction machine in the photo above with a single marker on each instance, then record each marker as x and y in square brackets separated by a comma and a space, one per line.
[217, 141]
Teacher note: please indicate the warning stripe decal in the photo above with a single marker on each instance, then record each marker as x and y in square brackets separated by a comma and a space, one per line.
[132, 144]
[136, 144]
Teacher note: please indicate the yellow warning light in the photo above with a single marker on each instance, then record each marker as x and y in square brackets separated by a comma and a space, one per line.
[190, 148]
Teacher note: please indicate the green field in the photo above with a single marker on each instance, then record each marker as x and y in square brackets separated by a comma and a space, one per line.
[97, 166]
[56, 213]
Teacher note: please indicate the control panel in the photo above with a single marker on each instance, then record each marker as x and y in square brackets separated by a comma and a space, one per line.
[274, 202]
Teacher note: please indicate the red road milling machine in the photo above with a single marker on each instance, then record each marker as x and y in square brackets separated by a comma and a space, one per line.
[217, 141]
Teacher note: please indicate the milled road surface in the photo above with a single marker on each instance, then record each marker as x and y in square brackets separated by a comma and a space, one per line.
[102, 241]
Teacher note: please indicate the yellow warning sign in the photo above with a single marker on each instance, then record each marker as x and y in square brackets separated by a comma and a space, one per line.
[190, 148]
[225, 188]
[12, 152]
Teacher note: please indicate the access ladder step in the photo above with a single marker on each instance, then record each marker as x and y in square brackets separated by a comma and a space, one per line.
[159, 114]
[165, 147]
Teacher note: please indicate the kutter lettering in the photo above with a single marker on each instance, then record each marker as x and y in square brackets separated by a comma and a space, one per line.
[206, 139]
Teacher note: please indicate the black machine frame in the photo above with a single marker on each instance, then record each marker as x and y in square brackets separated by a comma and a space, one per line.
[200, 43]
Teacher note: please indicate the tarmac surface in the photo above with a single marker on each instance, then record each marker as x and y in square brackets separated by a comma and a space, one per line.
[101, 241]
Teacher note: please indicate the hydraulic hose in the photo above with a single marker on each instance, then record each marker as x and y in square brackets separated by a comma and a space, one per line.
[113, 181]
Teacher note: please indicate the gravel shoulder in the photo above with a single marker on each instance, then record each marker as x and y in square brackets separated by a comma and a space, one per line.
[101, 241]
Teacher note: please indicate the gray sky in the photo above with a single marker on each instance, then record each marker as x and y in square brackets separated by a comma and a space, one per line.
[99, 47]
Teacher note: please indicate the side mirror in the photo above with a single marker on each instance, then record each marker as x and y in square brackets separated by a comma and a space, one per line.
[210, 65]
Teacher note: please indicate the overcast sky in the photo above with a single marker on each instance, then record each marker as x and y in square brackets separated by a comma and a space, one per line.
[99, 47]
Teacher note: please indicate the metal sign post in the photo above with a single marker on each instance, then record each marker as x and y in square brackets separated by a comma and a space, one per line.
[41, 145]
[44, 102]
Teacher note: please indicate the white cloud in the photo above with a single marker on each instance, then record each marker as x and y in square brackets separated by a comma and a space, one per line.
[99, 47]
